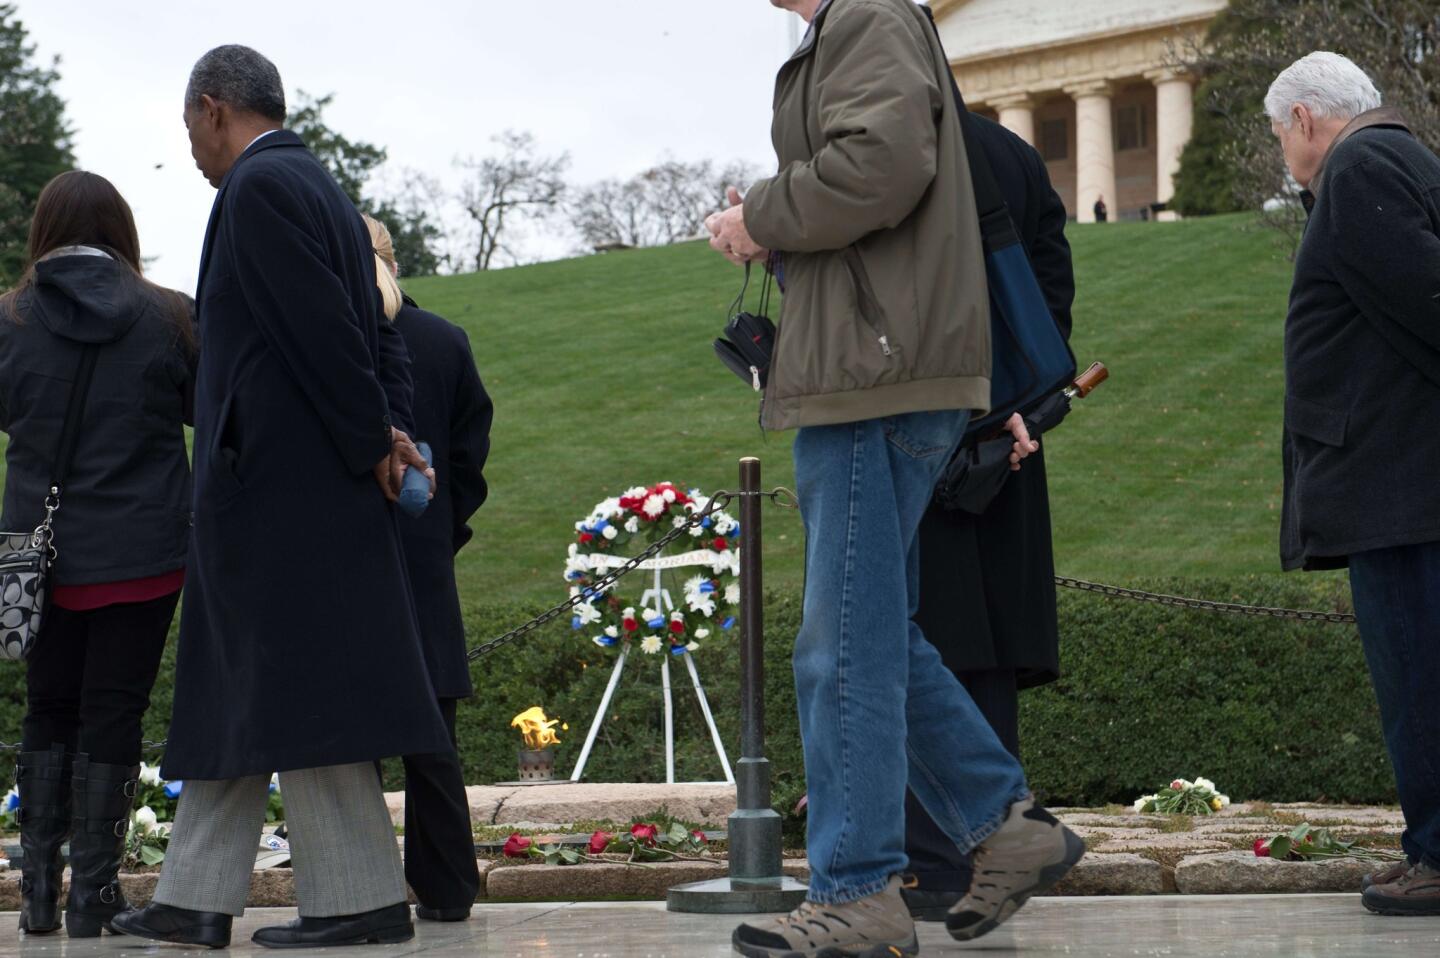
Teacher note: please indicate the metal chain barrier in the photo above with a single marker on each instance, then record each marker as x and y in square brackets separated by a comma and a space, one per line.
[786, 499]
[1203, 605]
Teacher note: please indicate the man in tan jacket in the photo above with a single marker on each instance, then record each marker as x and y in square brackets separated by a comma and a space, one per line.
[882, 355]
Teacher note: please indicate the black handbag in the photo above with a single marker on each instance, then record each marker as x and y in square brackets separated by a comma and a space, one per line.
[26, 557]
[749, 338]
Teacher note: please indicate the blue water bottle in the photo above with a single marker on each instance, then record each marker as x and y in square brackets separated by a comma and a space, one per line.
[415, 487]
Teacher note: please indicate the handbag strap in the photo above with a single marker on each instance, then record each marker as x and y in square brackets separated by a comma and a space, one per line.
[997, 229]
[74, 409]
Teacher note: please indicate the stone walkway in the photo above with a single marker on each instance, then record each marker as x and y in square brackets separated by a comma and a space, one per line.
[1174, 927]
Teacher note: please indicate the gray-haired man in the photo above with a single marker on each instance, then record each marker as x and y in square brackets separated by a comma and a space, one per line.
[1362, 381]
[298, 644]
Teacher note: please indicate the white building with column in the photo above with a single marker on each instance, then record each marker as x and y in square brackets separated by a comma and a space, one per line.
[1089, 83]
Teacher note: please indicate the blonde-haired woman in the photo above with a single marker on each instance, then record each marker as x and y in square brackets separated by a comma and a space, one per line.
[452, 413]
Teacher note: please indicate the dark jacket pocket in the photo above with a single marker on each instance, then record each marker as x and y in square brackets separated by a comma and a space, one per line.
[1313, 421]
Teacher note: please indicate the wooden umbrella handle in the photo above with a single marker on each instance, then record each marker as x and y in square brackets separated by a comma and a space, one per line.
[1090, 378]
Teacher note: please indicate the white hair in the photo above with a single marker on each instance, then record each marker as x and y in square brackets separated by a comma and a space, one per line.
[1330, 86]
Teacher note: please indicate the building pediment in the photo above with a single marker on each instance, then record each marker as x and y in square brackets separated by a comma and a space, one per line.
[982, 28]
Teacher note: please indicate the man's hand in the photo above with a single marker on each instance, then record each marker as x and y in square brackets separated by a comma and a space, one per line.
[728, 235]
[390, 471]
[1024, 445]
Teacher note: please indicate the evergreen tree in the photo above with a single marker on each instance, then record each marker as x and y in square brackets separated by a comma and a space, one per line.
[354, 163]
[35, 141]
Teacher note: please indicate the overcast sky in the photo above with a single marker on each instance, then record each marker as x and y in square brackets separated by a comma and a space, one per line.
[616, 83]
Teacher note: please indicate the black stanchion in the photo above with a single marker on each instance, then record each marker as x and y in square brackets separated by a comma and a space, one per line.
[755, 883]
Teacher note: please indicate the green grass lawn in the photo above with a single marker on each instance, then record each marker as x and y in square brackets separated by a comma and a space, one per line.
[603, 377]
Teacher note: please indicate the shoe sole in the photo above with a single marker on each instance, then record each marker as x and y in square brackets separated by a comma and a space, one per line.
[181, 936]
[907, 950]
[1050, 876]
[1392, 911]
[393, 935]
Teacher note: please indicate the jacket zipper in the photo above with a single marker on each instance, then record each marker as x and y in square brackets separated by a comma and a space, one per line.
[21, 565]
[865, 297]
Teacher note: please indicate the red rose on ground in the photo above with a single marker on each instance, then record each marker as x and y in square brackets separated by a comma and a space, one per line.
[698, 835]
[1262, 848]
[721, 545]
[599, 842]
[644, 833]
[517, 846]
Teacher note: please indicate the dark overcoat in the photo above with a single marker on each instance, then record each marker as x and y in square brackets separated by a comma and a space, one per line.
[452, 412]
[298, 644]
[1362, 352]
[987, 583]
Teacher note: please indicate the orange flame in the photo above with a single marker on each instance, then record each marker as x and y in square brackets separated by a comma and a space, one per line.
[536, 728]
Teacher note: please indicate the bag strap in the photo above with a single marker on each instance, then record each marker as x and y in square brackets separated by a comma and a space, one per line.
[74, 409]
[997, 229]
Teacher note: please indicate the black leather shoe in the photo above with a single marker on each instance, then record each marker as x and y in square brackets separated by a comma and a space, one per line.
[383, 926]
[928, 904]
[178, 925]
[442, 914]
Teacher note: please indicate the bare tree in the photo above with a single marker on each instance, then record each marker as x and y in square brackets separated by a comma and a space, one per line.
[502, 191]
[664, 204]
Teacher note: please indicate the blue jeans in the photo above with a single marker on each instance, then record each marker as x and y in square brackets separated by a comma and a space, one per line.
[866, 679]
[1397, 600]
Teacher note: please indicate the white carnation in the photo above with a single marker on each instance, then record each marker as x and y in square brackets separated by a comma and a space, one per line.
[145, 819]
[650, 644]
[702, 633]
[632, 525]
[653, 506]
[610, 532]
[587, 613]
[732, 593]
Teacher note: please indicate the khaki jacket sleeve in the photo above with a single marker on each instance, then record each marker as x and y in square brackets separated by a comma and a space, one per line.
[877, 99]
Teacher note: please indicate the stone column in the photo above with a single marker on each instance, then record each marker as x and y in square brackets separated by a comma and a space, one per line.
[1017, 114]
[1174, 118]
[1094, 149]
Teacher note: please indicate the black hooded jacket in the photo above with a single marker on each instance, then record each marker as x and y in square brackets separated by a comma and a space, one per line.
[125, 509]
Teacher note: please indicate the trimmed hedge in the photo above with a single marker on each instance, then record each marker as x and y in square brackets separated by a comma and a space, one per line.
[1280, 711]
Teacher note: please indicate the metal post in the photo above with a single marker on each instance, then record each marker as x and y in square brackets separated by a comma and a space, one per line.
[756, 883]
[669, 717]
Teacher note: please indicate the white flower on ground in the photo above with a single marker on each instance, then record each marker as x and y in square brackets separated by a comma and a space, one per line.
[149, 774]
[587, 613]
[1142, 801]
[632, 525]
[1224, 800]
[650, 644]
[653, 506]
[1179, 784]
[145, 819]
[1205, 783]
[732, 593]
[610, 532]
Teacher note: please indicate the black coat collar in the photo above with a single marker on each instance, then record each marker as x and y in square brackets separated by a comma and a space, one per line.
[269, 141]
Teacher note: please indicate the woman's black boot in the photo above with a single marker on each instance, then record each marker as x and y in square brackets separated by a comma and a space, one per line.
[43, 779]
[104, 795]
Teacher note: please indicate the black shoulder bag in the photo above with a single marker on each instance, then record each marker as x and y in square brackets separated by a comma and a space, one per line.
[26, 557]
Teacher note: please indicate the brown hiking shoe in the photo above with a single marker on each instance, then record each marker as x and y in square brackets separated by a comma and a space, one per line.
[1394, 873]
[1030, 853]
[875, 927]
[1417, 892]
